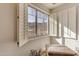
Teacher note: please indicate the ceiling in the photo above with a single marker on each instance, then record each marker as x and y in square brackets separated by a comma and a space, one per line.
[51, 5]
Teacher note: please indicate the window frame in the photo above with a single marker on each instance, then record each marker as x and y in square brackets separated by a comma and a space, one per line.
[36, 17]
[34, 26]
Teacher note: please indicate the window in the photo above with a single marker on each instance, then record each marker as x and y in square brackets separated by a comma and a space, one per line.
[54, 24]
[45, 24]
[31, 22]
[42, 20]
[66, 19]
[37, 23]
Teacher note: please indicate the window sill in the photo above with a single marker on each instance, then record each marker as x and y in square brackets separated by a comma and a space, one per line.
[38, 37]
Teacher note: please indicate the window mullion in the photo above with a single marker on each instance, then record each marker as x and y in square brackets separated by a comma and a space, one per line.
[36, 23]
[43, 27]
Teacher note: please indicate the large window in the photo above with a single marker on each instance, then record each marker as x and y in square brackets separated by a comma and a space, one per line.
[54, 24]
[31, 22]
[37, 23]
[67, 23]
[42, 20]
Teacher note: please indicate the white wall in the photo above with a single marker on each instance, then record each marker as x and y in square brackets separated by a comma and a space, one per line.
[7, 22]
[72, 43]
[8, 33]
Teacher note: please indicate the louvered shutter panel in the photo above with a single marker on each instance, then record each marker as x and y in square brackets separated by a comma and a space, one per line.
[22, 24]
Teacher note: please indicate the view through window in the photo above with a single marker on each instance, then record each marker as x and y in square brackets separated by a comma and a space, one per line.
[37, 23]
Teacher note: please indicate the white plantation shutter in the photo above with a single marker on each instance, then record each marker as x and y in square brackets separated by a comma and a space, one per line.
[51, 25]
[72, 22]
[60, 24]
[65, 23]
[21, 24]
[54, 24]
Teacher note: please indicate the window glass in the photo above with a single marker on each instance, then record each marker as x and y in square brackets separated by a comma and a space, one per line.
[40, 26]
[45, 24]
[37, 23]
[29, 10]
[31, 22]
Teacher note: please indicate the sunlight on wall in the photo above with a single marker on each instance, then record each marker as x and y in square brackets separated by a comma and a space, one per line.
[68, 33]
[59, 40]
